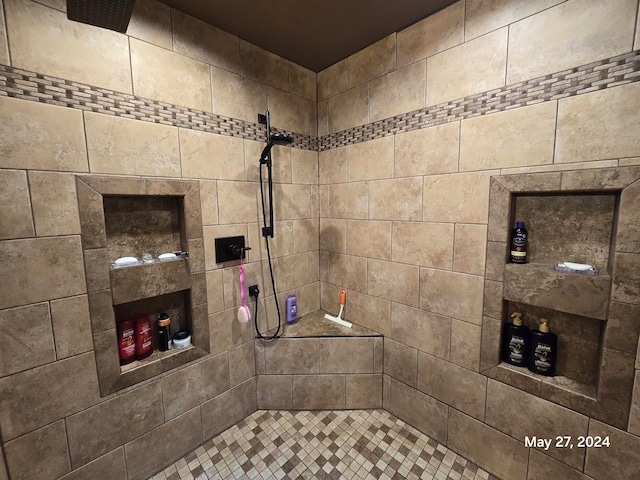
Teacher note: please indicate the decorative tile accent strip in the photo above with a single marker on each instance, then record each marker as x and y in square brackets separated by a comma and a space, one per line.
[37, 87]
[591, 77]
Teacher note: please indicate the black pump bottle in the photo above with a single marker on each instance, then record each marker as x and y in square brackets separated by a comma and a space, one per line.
[543, 350]
[516, 338]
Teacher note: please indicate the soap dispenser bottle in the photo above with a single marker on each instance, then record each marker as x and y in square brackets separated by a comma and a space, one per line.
[543, 349]
[516, 338]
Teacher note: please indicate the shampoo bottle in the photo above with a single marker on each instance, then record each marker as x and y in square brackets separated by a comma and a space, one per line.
[543, 348]
[516, 338]
[519, 237]
[292, 309]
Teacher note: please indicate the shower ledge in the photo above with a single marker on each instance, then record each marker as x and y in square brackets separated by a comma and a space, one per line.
[314, 325]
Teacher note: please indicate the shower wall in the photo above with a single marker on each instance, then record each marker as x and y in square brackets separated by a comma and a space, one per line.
[172, 99]
[404, 210]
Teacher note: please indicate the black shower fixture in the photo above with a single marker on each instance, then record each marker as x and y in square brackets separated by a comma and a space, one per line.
[113, 15]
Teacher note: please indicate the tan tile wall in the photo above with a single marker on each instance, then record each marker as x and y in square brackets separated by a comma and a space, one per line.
[45, 320]
[415, 220]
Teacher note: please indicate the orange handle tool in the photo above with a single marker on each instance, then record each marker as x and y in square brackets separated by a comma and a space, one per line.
[343, 297]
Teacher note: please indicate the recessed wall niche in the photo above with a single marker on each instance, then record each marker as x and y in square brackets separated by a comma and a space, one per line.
[585, 216]
[123, 216]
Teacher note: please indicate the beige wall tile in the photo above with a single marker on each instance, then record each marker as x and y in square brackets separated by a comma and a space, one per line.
[209, 202]
[27, 337]
[364, 391]
[108, 467]
[242, 365]
[204, 42]
[479, 443]
[467, 393]
[613, 135]
[71, 326]
[465, 344]
[4, 57]
[51, 460]
[398, 92]
[215, 299]
[16, 220]
[239, 203]
[470, 248]
[561, 167]
[427, 151]
[227, 332]
[332, 80]
[38, 136]
[275, 392]
[426, 244]
[332, 165]
[264, 66]
[349, 200]
[302, 81]
[514, 138]
[482, 16]
[472, 67]
[349, 109]
[151, 22]
[43, 40]
[370, 160]
[542, 466]
[55, 204]
[51, 267]
[281, 245]
[544, 420]
[460, 197]
[290, 112]
[539, 44]
[369, 238]
[75, 388]
[305, 235]
[394, 281]
[453, 294]
[373, 61]
[308, 298]
[371, 312]
[169, 441]
[435, 33]
[125, 146]
[228, 408]
[419, 410]
[396, 199]
[143, 406]
[278, 356]
[423, 330]
[323, 118]
[622, 462]
[319, 392]
[401, 362]
[157, 72]
[292, 202]
[236, 96]
[348, 271]
[346, 355]
[634, 416]
[304, 166]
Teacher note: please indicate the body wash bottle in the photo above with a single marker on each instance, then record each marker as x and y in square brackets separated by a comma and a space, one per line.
[516, 337]
[543, 349]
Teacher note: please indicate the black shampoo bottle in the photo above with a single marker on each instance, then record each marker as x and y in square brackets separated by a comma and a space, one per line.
[516, 336]
[543, 349]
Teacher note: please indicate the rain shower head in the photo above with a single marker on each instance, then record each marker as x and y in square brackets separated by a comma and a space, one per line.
[275, 139]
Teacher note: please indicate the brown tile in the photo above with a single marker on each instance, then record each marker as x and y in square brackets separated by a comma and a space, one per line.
[626, 279]
[490, 343]
[470, 249]
[27, 337]
[91, 212]
[51, 460]
[465, 344]
[323, 118]
[496, 259]
[479, 443]
[40, 142]
[242, 365]
[119, 184]
[108, 467]
[453, 294]
[227, 331]
[378, 354]
[498, 228]
[101, 311]
[209, 202]
[51, 267]
[227, 409]
[467, 393]
[349, 109]
[332, 165]
[628, 230]
[493, 304]
[377, 235]
[427, 151]
[15, 205]
[401, 362]
[543, 420]
[292, 113]
[302, 81]
[600, 178]
[423, 330]
[346, 355]
[332, 80]
[156, 71]
[143, 406]
[4, 59]
[69, 47]
[542, 466]
[264, 66]
[305, 235]
[105, 346]
[373, 61]
[169, 442]
[274, 392]
[196, 255]
[418, 410]
[537, 44]
[74, 389]
[194, 385]
[348, 271]
[364, 391]
[517, 377]
[393, 281]
[426, 244]
[371, 312]
[398, 92]
[615, 385]
[349, 200]
[621, 461]
[386, 392]
[293, 271]
[634, 416]
[396, 199]
[55, 204]
[71, 326]
[151, 22]
[294, 202]
[623, 327]
[370, 160]
[317, 392]
[279, 353]
[532, 182]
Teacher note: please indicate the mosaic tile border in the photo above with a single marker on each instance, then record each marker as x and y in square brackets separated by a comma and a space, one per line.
[594, 76]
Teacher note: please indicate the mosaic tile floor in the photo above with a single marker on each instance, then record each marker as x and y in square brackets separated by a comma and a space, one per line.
[350, 445]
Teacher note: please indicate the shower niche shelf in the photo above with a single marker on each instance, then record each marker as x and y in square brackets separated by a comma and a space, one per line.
[583, 216]
[125, 216]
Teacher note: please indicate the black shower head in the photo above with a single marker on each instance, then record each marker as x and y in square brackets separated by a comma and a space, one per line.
[275, 139]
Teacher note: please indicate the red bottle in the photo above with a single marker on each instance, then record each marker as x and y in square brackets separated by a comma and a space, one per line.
[126, 342]
[144, 345]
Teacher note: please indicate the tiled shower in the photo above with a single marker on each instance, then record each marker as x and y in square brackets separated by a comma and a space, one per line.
[409, 160]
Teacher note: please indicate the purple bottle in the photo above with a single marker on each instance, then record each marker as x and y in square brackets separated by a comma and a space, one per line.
[292, 309]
